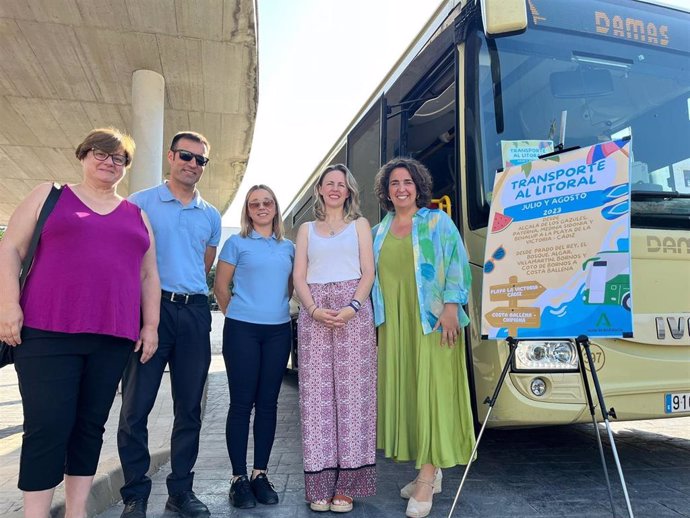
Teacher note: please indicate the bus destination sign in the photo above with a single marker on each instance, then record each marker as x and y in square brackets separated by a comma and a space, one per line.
[635, 22]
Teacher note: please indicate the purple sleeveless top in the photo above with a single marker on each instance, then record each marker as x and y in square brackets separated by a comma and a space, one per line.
[86, 275]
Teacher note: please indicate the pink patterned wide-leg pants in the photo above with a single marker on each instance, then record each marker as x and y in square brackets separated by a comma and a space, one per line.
[337, 387]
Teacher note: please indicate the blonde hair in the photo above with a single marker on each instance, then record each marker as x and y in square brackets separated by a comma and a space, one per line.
[246, 221]
[351, 210]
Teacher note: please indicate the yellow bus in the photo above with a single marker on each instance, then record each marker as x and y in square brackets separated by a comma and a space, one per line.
[580, 72]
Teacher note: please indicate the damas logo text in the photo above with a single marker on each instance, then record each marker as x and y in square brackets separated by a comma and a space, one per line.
[668, 245]
[634, 29]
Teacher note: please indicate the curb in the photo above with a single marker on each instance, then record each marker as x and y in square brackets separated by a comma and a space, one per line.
[105, 490]
[109, 478]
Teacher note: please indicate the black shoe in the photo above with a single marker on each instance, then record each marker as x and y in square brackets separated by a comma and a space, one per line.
[134, 509]
[241, 495]
[187, 505]
[263, 490]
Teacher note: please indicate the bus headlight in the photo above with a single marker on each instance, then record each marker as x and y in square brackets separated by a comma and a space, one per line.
[545, 355]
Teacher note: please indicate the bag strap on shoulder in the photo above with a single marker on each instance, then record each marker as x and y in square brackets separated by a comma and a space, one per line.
[47, 208]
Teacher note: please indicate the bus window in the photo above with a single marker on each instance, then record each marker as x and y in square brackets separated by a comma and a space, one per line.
[429, 124]
[364, 159]
[302, 213]
[640, 90]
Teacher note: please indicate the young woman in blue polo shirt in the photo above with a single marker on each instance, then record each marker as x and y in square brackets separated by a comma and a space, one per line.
[256, 337]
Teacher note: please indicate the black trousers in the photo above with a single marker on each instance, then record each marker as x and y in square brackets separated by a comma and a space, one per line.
[255, 359]
[68, 384]
[183, 344]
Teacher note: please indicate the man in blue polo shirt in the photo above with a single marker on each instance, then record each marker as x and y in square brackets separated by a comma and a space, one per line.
[187, 232]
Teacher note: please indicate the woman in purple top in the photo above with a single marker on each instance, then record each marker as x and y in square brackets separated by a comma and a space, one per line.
[92, 284]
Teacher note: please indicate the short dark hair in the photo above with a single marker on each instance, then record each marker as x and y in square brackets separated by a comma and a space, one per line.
[190, 135]
[109, 140]
[418, 172]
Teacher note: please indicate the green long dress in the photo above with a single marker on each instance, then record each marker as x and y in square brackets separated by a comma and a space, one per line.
[424, 411]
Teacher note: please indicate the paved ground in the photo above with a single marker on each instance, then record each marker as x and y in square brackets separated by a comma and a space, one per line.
[549, 472]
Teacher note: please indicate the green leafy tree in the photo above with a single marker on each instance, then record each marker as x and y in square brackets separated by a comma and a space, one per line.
[210, 279]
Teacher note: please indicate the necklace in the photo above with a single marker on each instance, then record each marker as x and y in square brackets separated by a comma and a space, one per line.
[331, 230]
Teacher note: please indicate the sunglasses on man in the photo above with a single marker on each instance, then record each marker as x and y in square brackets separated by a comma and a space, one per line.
[187, 156]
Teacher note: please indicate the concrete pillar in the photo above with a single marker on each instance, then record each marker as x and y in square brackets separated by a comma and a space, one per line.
[148, 90]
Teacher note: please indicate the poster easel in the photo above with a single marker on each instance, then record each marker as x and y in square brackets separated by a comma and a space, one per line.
[558, 263]
[582, 342]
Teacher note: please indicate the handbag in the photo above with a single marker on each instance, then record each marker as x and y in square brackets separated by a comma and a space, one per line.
[7, 351]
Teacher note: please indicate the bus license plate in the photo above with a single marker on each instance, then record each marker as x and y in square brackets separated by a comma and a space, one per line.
[678, 402]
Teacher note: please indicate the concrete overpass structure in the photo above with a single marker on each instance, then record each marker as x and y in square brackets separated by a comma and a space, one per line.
[150, 67]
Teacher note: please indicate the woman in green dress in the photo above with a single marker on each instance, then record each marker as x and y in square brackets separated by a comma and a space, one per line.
[422, 281]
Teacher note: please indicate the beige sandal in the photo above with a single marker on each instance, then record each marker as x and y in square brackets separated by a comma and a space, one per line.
[341, 504]
[320, 505]
[407, 491]
[416, 509]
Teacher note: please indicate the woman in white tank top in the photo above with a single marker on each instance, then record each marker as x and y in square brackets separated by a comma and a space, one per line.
[333, 275]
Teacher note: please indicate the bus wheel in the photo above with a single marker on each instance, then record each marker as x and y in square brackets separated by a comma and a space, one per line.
[626, 301]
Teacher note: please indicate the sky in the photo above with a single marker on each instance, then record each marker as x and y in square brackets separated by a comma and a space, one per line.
[319, 61]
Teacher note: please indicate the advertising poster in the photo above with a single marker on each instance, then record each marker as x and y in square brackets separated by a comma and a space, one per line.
[518, 152]
[557, 260]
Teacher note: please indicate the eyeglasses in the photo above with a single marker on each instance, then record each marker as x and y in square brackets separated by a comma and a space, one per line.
[102, 156]
[187, 156]
[499, 254]
[257, 204]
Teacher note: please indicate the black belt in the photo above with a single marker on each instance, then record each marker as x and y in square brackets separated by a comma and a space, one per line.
[184, 298]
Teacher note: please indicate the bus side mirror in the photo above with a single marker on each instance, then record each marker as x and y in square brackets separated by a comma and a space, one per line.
[503, 17]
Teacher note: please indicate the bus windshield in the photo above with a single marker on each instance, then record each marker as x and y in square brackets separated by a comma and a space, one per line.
[552, 81]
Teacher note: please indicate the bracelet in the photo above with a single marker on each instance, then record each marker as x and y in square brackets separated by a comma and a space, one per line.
[355, 304]
[313, 311]
[314, 304]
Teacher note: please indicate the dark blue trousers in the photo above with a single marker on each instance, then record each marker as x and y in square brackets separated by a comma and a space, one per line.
[184, 344]
[255, 359]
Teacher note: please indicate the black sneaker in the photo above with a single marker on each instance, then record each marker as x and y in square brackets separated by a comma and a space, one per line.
[263, 490]
[241, 495]
[187, 505]
[134, 509]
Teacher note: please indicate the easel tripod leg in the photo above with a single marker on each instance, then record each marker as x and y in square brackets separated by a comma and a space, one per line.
[590, 402]
[512, 343]
[584, 342]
